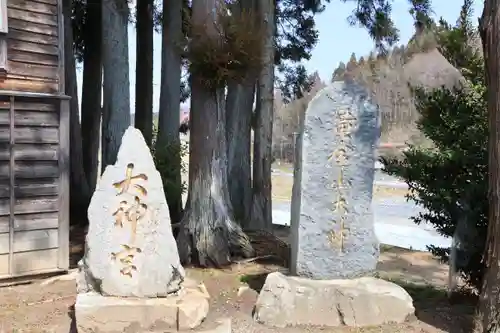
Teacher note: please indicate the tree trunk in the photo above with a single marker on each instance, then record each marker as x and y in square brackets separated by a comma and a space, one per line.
[239, 107]
[168, 141]
[91, 91]
[261, 214]
[144, 69]
[208, 235]
[116, 92]
[79, 190]
[488, 316]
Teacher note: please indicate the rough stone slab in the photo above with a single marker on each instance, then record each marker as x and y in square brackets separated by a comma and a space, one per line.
[289, 301]
[121, 260]
[331, 191]
[107, 314]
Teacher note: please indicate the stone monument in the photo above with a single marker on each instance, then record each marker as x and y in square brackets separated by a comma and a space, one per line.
[333, 237]
[130, 277]
[332, 226]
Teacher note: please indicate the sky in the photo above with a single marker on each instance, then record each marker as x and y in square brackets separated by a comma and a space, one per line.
[337, 40]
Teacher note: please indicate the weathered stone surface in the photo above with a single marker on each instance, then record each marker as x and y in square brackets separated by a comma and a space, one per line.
[130, 249]
[332, 227]
[109, 314]
[288, 301]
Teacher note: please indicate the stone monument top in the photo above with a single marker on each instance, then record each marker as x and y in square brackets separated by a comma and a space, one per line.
[130, 250]
[332, 225]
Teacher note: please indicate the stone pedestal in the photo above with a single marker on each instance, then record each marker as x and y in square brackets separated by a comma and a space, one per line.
[290, 301]
[106, 314]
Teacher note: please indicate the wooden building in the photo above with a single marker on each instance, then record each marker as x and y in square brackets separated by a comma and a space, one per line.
[34, 139]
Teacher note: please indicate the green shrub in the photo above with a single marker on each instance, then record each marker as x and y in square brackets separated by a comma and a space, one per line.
[450, 180]
[166, 163]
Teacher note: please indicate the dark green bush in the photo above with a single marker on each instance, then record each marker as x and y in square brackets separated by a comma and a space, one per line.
[450, 180]
[165, 161]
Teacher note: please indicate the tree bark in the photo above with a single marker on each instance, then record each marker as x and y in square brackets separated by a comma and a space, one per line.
[208, 235]
[116, 92]
[488, 316]
[168, 141]
[261, 213]
[239, 105]
[239, 108]
[79, 190]
[92, 91]
[144, 70]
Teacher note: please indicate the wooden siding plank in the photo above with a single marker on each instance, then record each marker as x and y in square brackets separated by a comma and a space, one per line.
[49, 2]
[14, 45]
[14, 83]
[5, 171]
[30, 106]
[36, 169]
[30, 70]
[4, 243]
[35, 240]
[64, 168]
[30, 152]
[34, 6]
[35, 205]
[35, 135]
[32, 27]
[32, 17]
[33, 37]
[33, 58]
[26, 222]
[36, 118]
[5, 134]
[30, 187]
[4, 223]
[30, 205]
[4, 264]
[30, 118]
[34, 261]
[4, 206]
[36, 221]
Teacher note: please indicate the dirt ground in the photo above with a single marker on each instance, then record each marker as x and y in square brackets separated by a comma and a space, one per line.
[40, 307]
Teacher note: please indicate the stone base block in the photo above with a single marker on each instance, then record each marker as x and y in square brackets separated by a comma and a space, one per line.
[289, 301]
[105, 314]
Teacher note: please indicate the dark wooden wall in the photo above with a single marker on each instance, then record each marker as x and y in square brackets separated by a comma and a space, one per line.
[34, 46]
[34, 178]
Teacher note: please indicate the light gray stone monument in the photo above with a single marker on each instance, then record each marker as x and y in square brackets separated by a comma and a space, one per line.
[332, 225]
[130, 278]
[130, 248]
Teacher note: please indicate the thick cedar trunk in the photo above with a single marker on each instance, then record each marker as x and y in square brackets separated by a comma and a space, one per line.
[488, 319]
[239, 105]
[116, 93]
[79, 190]
[168, 141]
[261, 213]
[91, 91]
[144, 70]
[239, 108]
[208, 235]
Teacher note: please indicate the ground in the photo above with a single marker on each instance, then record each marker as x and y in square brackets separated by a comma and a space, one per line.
[39, 307]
